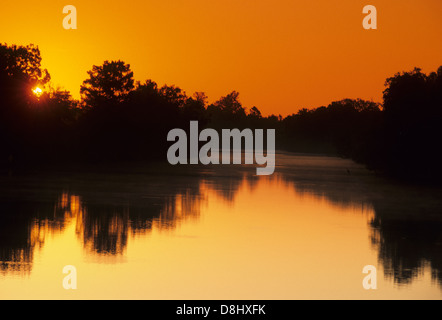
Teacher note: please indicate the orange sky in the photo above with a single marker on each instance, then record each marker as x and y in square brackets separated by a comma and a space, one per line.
[281, 55]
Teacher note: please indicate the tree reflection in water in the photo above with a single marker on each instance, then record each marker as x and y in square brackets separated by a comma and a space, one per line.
[107, 209]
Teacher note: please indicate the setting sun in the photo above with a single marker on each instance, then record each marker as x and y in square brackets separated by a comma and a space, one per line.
[37, 91]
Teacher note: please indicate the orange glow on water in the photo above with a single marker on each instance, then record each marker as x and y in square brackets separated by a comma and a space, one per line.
[242, 247]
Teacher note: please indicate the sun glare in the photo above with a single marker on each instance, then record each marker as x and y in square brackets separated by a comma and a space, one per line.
[37, 91]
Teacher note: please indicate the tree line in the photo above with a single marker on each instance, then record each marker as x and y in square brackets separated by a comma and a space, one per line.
[119, 119]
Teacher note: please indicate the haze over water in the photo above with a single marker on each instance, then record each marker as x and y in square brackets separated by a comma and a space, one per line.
[220, 232]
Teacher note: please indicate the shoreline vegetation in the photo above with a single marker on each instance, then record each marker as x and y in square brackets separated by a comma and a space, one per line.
[120, 120]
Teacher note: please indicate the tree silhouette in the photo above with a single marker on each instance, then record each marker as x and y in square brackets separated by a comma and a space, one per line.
[412, 124]
[345, 127]
[230, 104]
[20, 72]
[108, 84]
[121, 120]
[31, 128]
[255, 113]
[22, 62]
[173, 95]
[227, 112]
[194, 108]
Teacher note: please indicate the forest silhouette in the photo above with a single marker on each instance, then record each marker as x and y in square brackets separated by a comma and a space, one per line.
[118, 119]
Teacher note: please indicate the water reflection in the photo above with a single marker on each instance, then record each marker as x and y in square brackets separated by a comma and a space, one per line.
[406, 228]
[108, 209]
[102, 223]
[406, 246]
[23, 229]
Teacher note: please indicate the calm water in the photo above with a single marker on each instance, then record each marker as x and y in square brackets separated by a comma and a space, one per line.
[156, 232]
